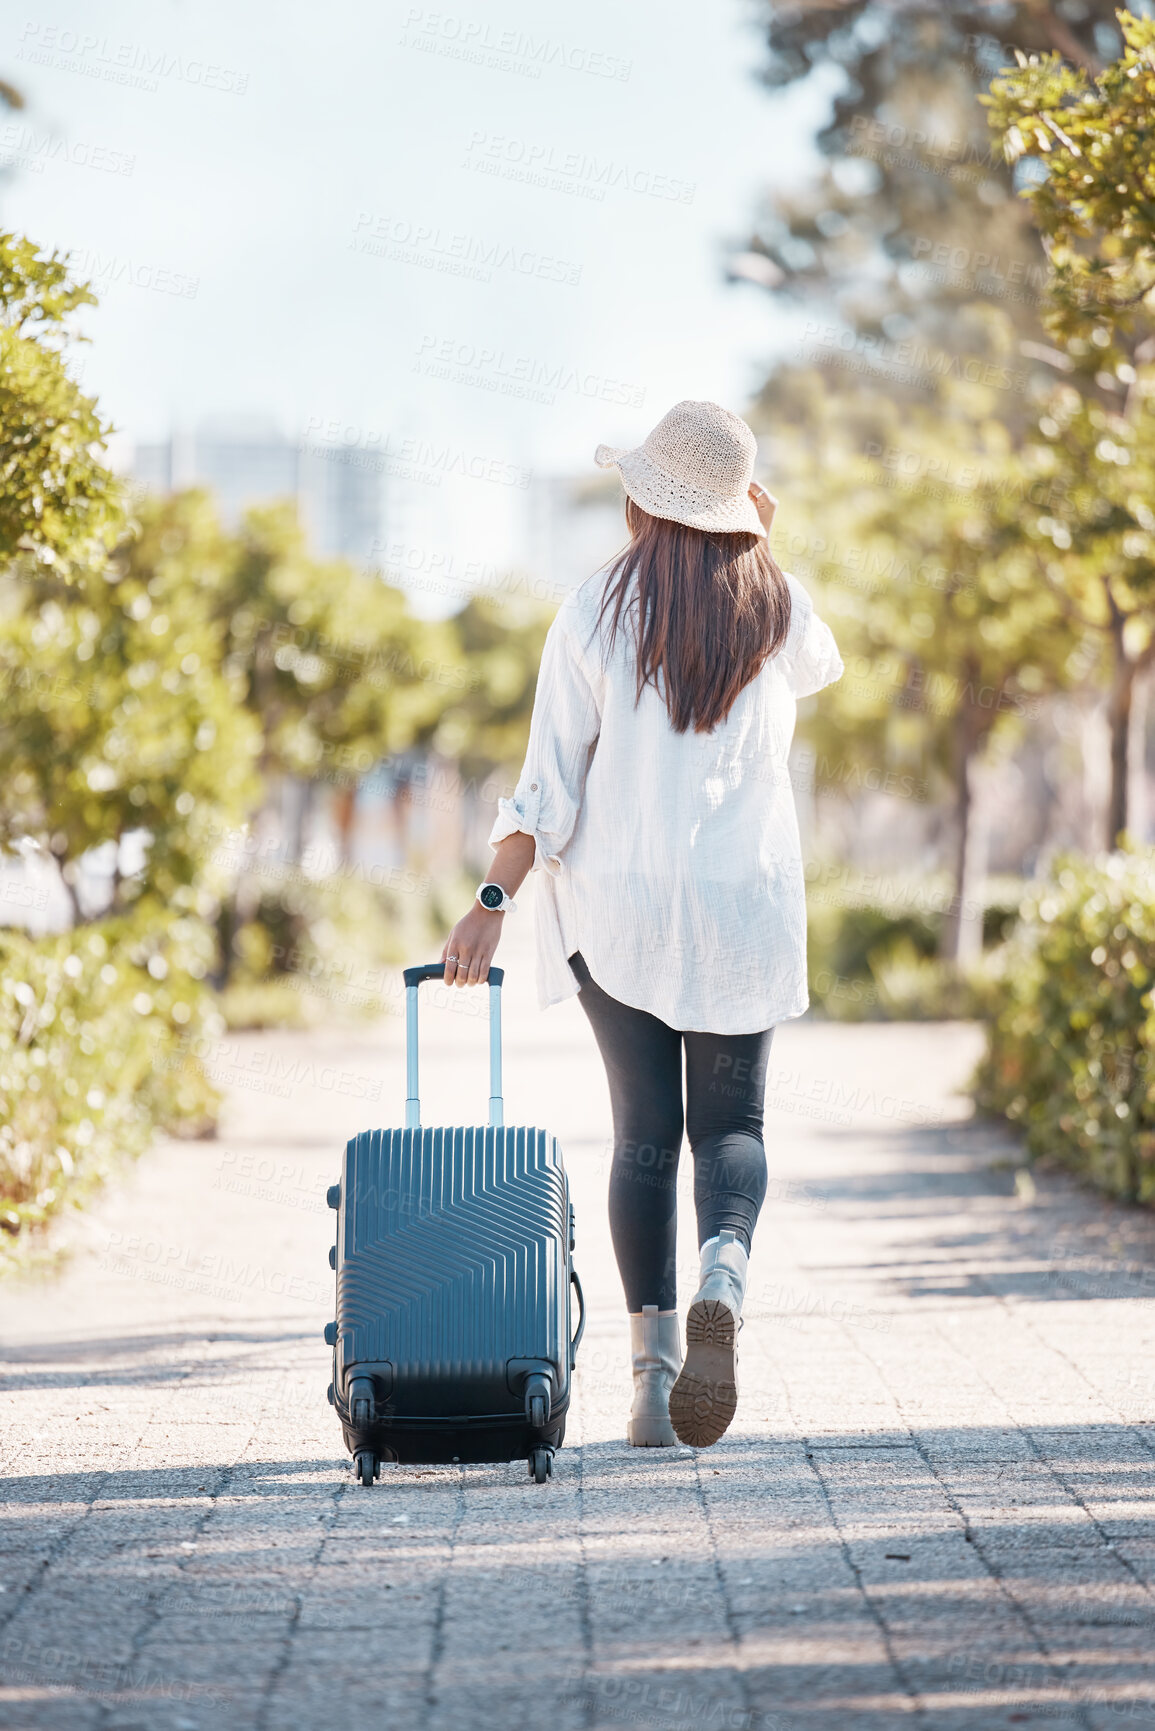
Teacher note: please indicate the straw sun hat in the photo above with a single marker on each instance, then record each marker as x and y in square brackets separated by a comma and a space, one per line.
[694, 467]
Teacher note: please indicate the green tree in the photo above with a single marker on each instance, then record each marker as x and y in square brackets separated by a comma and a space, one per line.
[975, 639]
[119, 738]
[910, 237]
[1096, 550]
[59, 503]
[910, 176]
[1090, 139]
[329, 658]
[926, 555]
[116, 721]
[119, 731]
[336, 674]
[500, 642]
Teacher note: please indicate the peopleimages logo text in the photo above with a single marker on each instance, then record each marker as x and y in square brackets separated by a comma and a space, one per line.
[493, 369]
[108, 271]
[476, 39]
[455, 251]
[123, 62]
[538, 163]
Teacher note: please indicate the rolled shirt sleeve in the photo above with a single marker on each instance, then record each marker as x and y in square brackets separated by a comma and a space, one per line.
[562, 733]
[809, 657]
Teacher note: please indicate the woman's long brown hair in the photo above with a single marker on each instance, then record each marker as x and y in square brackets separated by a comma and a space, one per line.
[710, 609]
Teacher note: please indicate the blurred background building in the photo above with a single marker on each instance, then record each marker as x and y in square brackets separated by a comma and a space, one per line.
[339, 489]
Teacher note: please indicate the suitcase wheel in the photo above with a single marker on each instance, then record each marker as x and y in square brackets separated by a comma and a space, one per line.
[541, 1465]
[362, 1402]
[538, 1401]
[366, 1466]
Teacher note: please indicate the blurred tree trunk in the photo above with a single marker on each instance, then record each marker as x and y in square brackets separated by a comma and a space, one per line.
[1138, 802]
[1126, 721]
[962, 937]
[301, 795]
[1119, 704]
[344, 815]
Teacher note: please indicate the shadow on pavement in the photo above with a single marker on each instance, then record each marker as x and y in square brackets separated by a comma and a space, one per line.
[1074, 1244]
[83, 1363]
[751, 1590]
[1120, 1458]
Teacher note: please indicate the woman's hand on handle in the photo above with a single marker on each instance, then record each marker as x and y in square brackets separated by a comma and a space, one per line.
[471, 945]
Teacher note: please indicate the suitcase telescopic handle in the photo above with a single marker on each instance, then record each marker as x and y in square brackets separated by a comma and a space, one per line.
[436, 971]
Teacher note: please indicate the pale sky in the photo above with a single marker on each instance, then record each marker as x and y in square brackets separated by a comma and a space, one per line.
[290, 213]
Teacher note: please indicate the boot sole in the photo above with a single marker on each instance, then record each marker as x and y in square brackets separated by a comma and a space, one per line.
[704, 1399]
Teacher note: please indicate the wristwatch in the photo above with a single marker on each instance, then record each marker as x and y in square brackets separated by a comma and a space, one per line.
[494, 898]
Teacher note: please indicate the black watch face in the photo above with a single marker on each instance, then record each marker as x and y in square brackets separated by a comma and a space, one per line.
[491, 896]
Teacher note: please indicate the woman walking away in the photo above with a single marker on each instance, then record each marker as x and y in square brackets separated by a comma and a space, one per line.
[656, 804]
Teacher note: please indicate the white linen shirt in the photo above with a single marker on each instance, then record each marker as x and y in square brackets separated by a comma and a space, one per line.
[671, 861]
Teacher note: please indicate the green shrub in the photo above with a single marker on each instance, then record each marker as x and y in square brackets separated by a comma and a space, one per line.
[97, 1027]
[1069, 1056]
[917, 988]
[326, 948]
[873, 944]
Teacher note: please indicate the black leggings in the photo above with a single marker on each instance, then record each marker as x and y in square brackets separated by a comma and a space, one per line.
[725, 1090]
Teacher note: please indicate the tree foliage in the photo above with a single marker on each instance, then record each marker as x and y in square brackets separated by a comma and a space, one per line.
[927, 553]
[911, 234]
[499, 643]
[329, 659]
[1092, 138]
[59, 503]
[160, 680]
[121, 729]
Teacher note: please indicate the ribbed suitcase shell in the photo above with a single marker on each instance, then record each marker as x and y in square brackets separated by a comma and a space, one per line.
[453, 1283]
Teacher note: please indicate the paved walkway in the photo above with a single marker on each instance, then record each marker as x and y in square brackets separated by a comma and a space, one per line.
[935, 1507]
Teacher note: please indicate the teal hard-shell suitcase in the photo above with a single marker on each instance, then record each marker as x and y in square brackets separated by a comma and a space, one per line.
[452, 1339]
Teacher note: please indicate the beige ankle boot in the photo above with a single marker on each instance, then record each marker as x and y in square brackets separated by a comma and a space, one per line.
[656, 1346]
[704, 1399]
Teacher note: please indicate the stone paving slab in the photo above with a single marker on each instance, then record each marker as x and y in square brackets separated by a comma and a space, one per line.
[936, 1506]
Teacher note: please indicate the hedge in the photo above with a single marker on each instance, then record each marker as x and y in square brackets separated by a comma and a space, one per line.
[97, 1034]
[873, 943]
[1070, 1046]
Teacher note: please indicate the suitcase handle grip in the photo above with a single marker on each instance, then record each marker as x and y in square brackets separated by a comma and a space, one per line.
[436, 971]
[581, 1327]
[413, 980]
